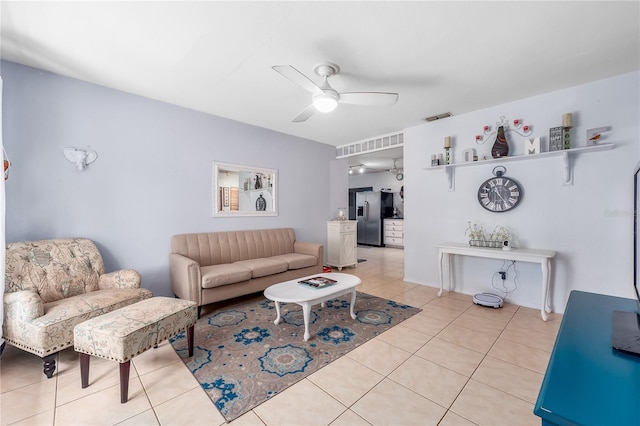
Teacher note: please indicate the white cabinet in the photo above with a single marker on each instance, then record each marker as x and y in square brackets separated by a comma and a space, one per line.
[342, 243]
[394, 232]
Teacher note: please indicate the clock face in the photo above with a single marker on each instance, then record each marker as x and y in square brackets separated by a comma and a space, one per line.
[499, 194]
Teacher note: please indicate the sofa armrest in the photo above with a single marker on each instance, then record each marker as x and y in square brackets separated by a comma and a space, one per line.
[125, 278]
[186, 278]
[24, 305]
[311, 249]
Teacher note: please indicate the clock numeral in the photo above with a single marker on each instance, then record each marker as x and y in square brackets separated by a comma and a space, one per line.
[512, 200]
[498, 181]
[515, 193]
[498, 207]
[513, 187]
[492, 183]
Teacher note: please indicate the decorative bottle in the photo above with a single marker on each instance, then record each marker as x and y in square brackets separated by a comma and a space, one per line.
[500, 147]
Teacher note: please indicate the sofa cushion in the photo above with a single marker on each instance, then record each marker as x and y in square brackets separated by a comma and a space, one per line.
[227, 273]
[297, 260]
[264, 266]
[217, 248]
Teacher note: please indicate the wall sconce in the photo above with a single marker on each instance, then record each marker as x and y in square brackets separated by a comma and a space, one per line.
[80, 157]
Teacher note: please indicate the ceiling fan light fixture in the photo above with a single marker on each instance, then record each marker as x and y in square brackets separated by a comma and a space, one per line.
[326, 102]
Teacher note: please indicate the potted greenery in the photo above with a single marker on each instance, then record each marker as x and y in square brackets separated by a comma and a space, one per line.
[478, 238]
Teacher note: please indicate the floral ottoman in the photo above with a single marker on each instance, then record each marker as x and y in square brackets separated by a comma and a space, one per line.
[122, 334]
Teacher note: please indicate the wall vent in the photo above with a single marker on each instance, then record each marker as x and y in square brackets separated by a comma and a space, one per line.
[376, 144]
[438, 117]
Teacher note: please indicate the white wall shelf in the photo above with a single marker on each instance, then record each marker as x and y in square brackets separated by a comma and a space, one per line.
[566, 155]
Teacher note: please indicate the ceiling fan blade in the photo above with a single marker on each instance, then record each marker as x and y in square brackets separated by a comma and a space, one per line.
[298, 78]
[304, 114]
[368, 98]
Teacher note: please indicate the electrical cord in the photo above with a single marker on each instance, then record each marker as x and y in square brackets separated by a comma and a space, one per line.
[504, 289]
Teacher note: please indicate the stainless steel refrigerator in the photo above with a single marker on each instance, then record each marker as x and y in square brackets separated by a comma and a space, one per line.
[371, 208]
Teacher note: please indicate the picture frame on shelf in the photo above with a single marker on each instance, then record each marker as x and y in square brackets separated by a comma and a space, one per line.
[556, 142]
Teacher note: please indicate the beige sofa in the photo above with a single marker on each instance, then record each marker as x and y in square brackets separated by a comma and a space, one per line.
[53, 285]
[215, 266]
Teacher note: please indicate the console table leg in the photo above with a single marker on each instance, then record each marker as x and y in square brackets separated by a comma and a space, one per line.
[544, 307]
[440, 256]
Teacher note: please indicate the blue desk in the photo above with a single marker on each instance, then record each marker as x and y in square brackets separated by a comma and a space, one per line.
[587, 381]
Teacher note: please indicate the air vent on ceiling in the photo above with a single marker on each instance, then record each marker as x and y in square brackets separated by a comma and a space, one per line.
[438, 117]
[370, 145]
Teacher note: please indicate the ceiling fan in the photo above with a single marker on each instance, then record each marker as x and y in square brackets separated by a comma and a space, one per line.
[397, 172]
[324, 97]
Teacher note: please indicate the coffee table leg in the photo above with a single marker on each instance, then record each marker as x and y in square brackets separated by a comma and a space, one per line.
[277, 321]
[306, 311]
[353, 302]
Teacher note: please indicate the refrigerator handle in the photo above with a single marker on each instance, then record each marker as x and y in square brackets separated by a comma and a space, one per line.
[366, 210]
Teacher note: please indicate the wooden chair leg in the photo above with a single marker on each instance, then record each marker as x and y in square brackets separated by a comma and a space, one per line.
[49, 362]
[190, 340]
[84, 369]
[124, 381]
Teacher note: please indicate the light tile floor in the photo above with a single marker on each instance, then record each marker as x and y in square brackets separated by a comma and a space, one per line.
[454, 363]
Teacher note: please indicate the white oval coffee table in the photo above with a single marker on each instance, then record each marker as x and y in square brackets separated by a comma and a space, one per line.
[307, 296]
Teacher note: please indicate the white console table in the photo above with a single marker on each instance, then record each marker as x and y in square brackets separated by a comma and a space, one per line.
[543, 257]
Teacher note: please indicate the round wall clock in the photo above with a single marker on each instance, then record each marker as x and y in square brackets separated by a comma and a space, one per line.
[500, 193]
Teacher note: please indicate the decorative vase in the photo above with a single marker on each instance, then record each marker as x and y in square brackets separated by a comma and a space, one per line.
[261, 203]
[500, 147]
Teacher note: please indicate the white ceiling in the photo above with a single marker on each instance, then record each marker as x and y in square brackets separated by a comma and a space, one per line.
[216, 57]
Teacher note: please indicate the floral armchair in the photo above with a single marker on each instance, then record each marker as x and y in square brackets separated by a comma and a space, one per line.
[52, 285]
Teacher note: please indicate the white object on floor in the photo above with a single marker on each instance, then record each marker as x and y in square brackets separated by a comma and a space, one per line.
[488, 299]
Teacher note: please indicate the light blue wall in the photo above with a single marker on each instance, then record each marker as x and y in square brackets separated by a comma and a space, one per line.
[589, 224]
[153, 175]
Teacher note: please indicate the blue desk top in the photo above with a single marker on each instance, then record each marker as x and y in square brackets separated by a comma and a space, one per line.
[587, 381]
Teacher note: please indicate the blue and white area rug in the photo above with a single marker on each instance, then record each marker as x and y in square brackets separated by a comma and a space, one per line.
[241, 358]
